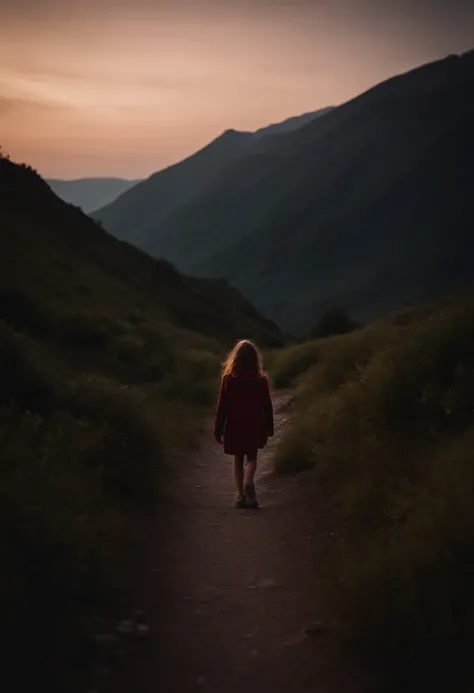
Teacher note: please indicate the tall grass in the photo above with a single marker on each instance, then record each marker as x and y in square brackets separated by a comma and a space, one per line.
[78, 453]
[82, 452]
[386, 418]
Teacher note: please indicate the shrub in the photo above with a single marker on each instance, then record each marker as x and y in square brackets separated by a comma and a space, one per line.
[23, 377]
[86, 331]
[333, 321]
[21, 311]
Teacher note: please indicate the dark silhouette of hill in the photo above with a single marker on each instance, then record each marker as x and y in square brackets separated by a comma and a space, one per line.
[90, 193]
[141, 214]
[108, 360]
[293, 123]
[368, 207]
[40, 239]
[384, 417]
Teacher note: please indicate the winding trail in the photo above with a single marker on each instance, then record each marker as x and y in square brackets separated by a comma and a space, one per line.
[230, 594]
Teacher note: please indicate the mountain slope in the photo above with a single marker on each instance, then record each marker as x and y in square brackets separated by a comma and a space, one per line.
[90, 193]
[141, 214]
[368, 206]
[108, 360]
[39, 241]
[384, 415]
[293, 123]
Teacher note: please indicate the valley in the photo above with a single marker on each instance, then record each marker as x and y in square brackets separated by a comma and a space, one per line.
[367, 206]
[341, 242]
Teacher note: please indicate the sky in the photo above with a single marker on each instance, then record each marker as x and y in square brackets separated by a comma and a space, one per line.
[127, 87]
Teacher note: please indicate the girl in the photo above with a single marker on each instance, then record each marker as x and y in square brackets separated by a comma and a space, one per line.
[244, 416]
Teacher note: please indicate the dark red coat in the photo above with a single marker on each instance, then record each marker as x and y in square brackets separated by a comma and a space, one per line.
[244, 414]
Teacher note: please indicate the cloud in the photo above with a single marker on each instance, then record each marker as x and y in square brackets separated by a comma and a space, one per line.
[443, 15]
[407, 7]
[59, 8]
[165, 76]
[11, 106]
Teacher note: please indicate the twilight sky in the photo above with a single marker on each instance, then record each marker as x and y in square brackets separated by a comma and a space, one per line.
[125, 87]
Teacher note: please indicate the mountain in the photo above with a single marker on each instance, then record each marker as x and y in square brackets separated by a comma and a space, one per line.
[293, 123]
[368, 207]
[90, 193]
[109, 360]
[61, 259]
[141, 214]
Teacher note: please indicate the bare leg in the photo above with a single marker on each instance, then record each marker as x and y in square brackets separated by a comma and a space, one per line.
[249, 486]
[250, 469]
[238, 468]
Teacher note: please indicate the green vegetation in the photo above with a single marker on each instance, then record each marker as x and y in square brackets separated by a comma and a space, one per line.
[328, 361]
[385, 418]
[108, 359]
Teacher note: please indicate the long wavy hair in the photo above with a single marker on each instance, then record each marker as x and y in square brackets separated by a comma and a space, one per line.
[244, 358]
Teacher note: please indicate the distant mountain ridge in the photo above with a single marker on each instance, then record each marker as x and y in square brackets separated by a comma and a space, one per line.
[152, 201]
[369, 207]
[90, 193]
[288, 125]
[293, 123]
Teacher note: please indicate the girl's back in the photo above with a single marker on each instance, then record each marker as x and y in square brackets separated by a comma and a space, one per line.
[245, 393]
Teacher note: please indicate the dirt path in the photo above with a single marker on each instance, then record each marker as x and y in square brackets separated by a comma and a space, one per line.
[237, 589]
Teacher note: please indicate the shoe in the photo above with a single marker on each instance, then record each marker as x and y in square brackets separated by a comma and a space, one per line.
[250, 496]
[240, 502]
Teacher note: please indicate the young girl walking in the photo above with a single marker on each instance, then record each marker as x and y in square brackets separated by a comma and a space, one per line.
[244, 417]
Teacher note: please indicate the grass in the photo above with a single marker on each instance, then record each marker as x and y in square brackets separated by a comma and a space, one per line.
[385, 418]
[78, 454]
[109, 360]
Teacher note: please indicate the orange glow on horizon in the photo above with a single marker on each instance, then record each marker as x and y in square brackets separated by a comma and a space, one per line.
[128, 93]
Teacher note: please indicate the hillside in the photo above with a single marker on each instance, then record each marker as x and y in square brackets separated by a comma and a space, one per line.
[58, 256]
[108, 360]
[141, 215]
[291, 124]
[384, 418]
[90, 193]
[368, 207]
